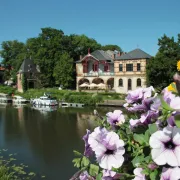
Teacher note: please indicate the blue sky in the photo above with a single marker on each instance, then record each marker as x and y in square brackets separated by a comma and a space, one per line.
[129, 24]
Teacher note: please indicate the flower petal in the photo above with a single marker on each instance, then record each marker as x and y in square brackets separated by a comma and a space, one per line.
[177, 154]
[157, 139]
[176, 136]
[170, 157]
[175, 175]
[158, 156]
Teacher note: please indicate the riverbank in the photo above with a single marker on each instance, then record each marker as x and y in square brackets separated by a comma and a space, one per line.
[71, 96]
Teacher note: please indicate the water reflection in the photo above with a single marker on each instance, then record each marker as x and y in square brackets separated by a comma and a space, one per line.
[45, 139]
[44, 109]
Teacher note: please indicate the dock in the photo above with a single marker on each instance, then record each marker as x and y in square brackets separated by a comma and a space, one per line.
[113, 103]
[65, 104]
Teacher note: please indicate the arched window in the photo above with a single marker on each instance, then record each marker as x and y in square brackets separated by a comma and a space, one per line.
[138, 82]
[120, 82]
[129, 84]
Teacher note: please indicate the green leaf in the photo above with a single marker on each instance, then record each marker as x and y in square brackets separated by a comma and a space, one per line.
[77, 162]
[177, 120]
[140, 138]
[152, 128]
[137, 160]
[99, 177]
[147, 135]
[31, 174]
[153, 175]
[147, 159]
[76, 153]
[85, 162]
[93, 170]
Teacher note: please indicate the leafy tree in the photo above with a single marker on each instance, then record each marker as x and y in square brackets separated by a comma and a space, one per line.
[13, 54]
[111, 47]
[63, 71]
[80, 45]
[161, 68]
[46, 51]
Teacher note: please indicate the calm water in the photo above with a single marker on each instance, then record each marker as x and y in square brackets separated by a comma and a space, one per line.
[44, 140]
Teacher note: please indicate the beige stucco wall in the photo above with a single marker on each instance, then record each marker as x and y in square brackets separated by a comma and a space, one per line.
[19, 83]
[124, 88]
[134, 62]
[79, 69]
[133, 75]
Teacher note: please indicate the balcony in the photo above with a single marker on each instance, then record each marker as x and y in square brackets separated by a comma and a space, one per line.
[97, 74]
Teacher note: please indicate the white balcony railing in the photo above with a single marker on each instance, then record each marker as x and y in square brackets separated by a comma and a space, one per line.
[99, 74]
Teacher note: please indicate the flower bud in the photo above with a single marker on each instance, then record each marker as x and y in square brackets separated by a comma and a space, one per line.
[152, 166]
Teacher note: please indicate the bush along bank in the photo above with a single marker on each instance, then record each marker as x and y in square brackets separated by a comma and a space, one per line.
[89, 99]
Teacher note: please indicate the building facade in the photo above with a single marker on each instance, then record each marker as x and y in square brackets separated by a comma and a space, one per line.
[118, 72]
[95, 68]
[31, 73]
[130, 70]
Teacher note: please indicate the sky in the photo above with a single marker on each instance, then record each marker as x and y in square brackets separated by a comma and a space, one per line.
[129, 24]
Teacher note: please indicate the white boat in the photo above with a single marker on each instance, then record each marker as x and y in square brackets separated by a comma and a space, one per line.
[19, 100]
[45, 100]
[5, 98]
[44, 109]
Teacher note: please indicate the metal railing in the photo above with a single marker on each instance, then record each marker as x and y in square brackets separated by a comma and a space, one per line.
[99, 74]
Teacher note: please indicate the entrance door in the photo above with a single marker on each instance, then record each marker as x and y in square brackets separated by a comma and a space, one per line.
[31, 85]
[129, 84]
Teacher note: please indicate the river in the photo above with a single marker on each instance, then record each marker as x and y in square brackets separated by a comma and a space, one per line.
[45, 139]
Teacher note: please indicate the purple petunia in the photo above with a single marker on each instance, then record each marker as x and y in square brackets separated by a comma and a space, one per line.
[149, 116]
[88, 151]
[170, 173]
[84, 176]
[110, 175]
[134, 96]
[138, 174]
[165, 146]
[115, 118]
[108, 148]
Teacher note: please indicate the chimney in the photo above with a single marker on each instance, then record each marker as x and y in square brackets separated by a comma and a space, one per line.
[114, 56]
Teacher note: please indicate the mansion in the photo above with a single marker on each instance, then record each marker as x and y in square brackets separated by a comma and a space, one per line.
[112, 70]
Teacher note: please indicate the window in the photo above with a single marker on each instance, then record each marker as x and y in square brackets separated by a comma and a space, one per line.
[106, 67]
[120, 67]
[138, 67]
[95, 67]
[129, 84]
[138, 82]
[129, 67]
[85, 68]
[120, 82]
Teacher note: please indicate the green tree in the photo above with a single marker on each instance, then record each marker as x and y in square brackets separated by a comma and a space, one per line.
[80, 45]
[111, 47]
[13, 54]
[46, 50]
[63, 71]
[162, 67]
